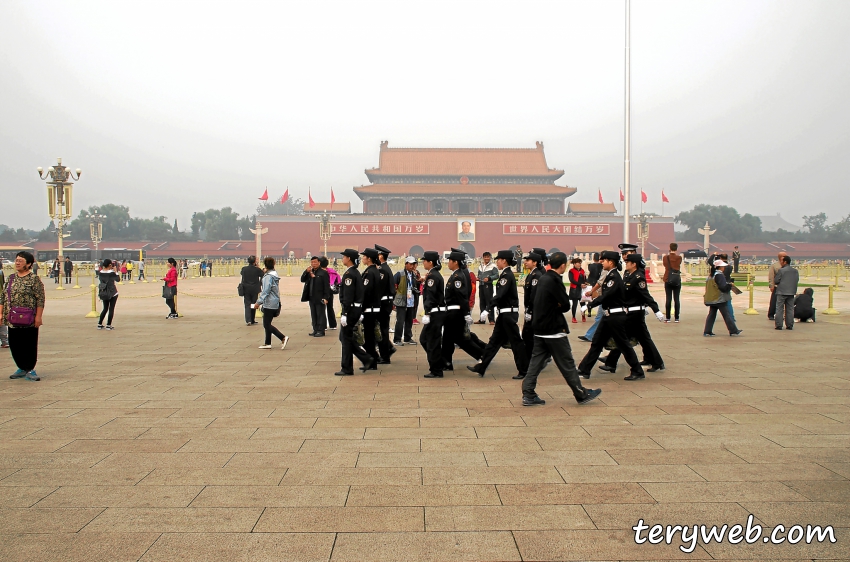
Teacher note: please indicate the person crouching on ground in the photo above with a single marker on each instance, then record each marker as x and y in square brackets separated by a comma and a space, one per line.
[269, 300]
[804, 310]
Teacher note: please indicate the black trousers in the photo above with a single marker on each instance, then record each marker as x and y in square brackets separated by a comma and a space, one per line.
[251, 295]
[672, 293]
[268, 318]
[528, 341]
[611, 326]
[506, 330]
[350, 349]
[370, 320]
[68, 277]
[636, 328]
[403, 324]
[23, 343]
[317, 316]
[431, 338]
[453, 333]
[331, 314]
[108, 306]
[485, 299]
[170, 303]
[384, 345]
[560, 351]
[723, 309]
[771, 310]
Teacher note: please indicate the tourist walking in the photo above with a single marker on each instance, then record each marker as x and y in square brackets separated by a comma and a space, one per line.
[317, 292]
[269, 300]
[333, 280]
[141, 270]
[185, 269]
[252, 278]
[406, 288]
[107, 292]
[578, 279]
[23, 305]
[672, 263]
[124, 271]
[130, 267]
[56, 271]
[716, 298]
[169, 289]
[785, 287]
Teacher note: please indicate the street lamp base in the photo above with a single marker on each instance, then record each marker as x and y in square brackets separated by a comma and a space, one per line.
[92, 314]
[60, 288]
[751, 311]
[76, 287]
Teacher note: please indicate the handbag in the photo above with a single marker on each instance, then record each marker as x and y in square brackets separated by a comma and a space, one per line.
[274, 312]
[167, 292]
[240, 290]
[19, 316]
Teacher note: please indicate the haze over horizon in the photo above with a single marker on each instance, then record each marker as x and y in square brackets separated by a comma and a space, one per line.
[171, 109]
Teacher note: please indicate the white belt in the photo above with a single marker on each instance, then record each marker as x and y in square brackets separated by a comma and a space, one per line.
[385, 298]
[357, 304]
[615, 310]
[453, 307]
[508, 310]
[634, 308]
[437, 309]
[371, 310]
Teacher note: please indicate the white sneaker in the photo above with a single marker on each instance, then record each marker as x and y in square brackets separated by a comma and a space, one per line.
[284, 342]
[265, 347]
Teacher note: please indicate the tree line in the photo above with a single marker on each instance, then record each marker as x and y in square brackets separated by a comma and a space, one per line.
[733, 227]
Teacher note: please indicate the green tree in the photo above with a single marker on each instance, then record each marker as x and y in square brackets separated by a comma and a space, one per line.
[293, 206]
[817, 227]
[730, 225]
[220, 224]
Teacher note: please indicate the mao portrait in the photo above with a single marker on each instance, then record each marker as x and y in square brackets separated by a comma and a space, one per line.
[466, 230]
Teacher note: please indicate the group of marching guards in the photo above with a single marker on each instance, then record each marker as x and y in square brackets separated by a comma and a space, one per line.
[367, 301]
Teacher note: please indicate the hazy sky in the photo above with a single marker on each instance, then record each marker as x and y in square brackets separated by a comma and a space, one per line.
[174, 107]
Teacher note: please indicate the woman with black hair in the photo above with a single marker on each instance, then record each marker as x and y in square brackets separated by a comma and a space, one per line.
[269, 300]
[169, 291]
[578, 280]
[22, 302]
[107, 292]
[252, 277]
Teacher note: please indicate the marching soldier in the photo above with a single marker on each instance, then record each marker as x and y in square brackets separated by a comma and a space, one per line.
[372, 293]
[434, 307]
[637, 299]
[457, 317]
[387, 291]
[506, 302]
[351, 292]
[464, 269]
[534, 263]
[612, 325]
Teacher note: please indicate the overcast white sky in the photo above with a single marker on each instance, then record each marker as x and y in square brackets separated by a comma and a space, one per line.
[174, 107]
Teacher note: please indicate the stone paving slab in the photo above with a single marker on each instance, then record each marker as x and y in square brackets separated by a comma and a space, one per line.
[180, 440]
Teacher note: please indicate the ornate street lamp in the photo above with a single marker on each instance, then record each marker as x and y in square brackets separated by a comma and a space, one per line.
[59, 199]
[325, 229]
[96, 231]
[643, 231]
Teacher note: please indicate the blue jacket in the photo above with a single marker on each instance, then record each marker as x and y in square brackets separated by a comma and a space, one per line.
[270, 294]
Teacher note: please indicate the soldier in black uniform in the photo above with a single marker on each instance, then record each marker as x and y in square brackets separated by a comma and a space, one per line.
[351, 306]
[434, 307]
[372, 292]
[613, 324]
[387, 291]
[457, 317]
[637, 299]
[506, 302]
[464, 269]
[534, 262]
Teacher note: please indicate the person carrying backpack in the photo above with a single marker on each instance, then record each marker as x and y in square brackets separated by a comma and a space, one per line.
[672, 280]
[107, 292]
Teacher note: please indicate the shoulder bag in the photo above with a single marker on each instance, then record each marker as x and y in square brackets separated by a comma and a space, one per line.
[19, 316]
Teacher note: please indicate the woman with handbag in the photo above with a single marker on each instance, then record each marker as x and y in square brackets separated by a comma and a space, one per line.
[716, 298]
[269, 300]
[333, 279]
[578, 280]
[23, 305]
[107, 292]
[249, 289]
[169, 289]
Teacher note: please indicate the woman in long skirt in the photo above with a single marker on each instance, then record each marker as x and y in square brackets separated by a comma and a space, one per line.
[23, 305]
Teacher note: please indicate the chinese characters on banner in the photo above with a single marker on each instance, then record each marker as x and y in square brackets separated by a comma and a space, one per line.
[568, 229]
[380, 228]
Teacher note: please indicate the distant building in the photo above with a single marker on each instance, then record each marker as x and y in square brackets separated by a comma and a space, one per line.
[591, 209]
[772, 223]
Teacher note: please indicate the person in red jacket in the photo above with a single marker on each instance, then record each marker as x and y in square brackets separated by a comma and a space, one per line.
[171, 283]
[473, 281]
[578, 279]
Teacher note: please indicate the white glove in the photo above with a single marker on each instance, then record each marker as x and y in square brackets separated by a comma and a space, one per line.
[468, 319]
[426, 320]
[343, 320]
[528, 317]
[660, 316]
[484, 316]
[583, 307]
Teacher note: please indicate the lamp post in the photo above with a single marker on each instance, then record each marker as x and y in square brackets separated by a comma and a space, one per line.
[59, 191]
[96, 231]
[325, 229]
[643, 231]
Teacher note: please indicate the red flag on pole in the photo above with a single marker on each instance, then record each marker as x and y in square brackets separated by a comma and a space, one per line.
[333, 199]
[265, 196]
[285, 197]
[310, 198]
[600, 196]
[622, 197]
[643, 198]
[664, 197]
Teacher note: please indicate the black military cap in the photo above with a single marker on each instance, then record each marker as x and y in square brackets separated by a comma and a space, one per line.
[464, 252]
[542, 253]
[610, 255]
[457, 256]
[370, 253]
[636, 259]
[624, 247]
[351, 253]
[533, 256]
[506, 255]
[382, 250]
[433, 257]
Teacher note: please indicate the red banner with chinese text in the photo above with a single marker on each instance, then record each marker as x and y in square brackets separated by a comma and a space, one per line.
[380, 228]
[569, 229]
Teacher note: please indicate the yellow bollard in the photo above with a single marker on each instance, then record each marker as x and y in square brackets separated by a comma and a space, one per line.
[93, 284]
[76, 278]
[831, 310]
[175, 306]
[750, 311]
[93, 313]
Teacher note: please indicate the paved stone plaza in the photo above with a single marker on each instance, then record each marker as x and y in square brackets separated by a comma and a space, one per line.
[180, 440]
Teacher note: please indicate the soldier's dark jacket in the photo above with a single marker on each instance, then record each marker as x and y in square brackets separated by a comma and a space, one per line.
[457, 291]
[530, 288]
[432, 292]
[506, 293]
[635, 291]
[372, 290]
[351, 292]
[612, 292]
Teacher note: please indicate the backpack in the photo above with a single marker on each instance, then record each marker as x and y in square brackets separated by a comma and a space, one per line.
[713, 294]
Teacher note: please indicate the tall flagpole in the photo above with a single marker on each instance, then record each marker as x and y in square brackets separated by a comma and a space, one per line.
[627, 171]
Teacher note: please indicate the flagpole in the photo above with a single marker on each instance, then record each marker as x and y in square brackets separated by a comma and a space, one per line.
[627, 171]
